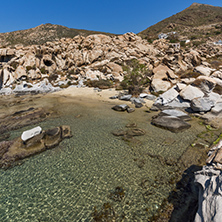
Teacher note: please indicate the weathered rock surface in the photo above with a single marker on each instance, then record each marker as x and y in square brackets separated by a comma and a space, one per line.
[206, 84]
[210, 198]
[19, 149]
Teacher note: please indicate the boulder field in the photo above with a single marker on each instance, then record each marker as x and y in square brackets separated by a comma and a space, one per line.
[47, 67]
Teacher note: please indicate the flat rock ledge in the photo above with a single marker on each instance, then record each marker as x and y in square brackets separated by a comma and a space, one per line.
[18, 149]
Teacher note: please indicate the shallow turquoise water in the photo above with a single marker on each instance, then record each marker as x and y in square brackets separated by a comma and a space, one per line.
[67, 182]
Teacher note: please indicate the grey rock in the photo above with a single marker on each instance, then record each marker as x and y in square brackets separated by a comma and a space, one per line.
[176, 113]
[137, 101]
[179, 103]
[171, 123]
[143, 95]
[215, 97]
[201, 104]
[147, 96]
[113, 97]
[150, 97]
[6, 91]
[121, 108]
[130, 110]
[125, 97]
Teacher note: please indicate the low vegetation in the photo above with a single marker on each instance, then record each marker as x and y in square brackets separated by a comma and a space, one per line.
[136, 77]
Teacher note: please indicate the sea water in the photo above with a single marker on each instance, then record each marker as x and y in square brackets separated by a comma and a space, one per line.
[69, 182]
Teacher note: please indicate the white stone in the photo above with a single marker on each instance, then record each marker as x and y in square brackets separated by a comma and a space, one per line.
[167, 97]
[180, 86]
[203, 70]
[217, 108]
[160, 85]
[31, 133]
[191, 92]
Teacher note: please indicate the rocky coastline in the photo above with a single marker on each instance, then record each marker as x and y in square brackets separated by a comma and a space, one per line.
[185, 83]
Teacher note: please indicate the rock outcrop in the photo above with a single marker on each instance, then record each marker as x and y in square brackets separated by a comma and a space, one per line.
[19, 149]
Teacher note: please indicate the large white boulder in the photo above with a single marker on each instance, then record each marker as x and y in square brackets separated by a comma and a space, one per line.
[203, 70]
[191, 92]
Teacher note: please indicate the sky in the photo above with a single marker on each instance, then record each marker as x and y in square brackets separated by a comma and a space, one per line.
[114, 16]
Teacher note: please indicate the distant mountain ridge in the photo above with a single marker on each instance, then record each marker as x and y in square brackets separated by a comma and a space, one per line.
[199, 21]
[41, 34]
[197, 15]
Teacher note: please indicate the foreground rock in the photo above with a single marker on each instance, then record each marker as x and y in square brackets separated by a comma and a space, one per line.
[210, 195]
[19, 149]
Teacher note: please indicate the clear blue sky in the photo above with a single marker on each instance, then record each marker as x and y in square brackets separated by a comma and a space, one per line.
[115, 16]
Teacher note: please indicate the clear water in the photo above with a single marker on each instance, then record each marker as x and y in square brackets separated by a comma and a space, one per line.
[67, 182]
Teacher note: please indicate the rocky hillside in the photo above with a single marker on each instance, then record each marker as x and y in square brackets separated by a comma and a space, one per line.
[74, 61]
[196, 21]
[42, 34]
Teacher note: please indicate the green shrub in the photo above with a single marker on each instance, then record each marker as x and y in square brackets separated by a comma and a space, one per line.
[137, 77]
[43, 70]
[101, 83]
[182, 44]
[28, 68]
[218, 32]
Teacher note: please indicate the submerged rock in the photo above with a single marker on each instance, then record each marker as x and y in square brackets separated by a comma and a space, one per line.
[171, 123]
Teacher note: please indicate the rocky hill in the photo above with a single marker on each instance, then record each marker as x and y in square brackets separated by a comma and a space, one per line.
[42, 34]
[196, 21]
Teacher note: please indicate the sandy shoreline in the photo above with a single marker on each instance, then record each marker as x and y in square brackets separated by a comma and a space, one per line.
[90, 94]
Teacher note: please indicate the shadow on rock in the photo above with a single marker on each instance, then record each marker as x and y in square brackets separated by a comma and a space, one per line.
[185, 197]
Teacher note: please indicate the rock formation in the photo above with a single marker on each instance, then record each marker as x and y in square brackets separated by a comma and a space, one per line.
[19, 149]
